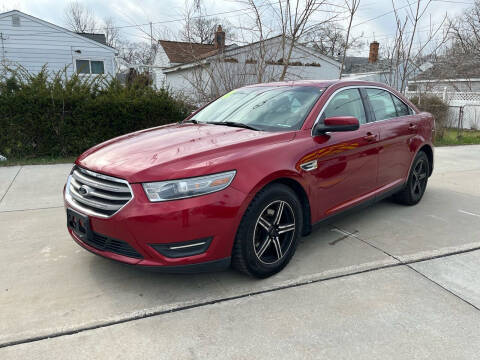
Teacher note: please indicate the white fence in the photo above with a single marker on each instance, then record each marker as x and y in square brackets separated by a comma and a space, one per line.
[466, 102]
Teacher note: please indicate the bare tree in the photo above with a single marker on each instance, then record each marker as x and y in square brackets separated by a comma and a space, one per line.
[136, 53]
[408, 50]
[295, 20]
[79, 18]
[328, 39]
[465, 30]
[112, 32]
[352, 6]
[199, 28]
[272, 33]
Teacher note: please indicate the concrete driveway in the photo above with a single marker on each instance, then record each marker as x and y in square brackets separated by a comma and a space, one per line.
[387, 282]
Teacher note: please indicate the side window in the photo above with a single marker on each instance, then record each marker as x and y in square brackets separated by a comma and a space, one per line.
[346, 103]
[402, 109]
[382, 104]
[90, 67]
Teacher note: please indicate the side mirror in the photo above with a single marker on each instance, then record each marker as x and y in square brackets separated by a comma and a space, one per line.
[337, 123]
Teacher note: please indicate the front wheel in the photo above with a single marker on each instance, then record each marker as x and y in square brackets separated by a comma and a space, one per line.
[417, 181]
[268, 233]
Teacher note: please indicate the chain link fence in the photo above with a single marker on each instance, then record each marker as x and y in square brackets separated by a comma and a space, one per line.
[463, 108]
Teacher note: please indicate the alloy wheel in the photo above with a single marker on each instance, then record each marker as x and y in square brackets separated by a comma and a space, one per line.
[419, 178]
[274, 232]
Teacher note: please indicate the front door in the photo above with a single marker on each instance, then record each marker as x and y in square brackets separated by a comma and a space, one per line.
[346, 162]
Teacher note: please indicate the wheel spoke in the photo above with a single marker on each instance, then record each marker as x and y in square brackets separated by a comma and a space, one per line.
[286, 228]
[416, 186]
[279, 213]
[264, 223]
[264, 246]
[419, 167]
[422, 176]
[278, 247]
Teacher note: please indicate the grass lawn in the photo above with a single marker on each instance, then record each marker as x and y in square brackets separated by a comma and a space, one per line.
[467, 137]
[38, 161]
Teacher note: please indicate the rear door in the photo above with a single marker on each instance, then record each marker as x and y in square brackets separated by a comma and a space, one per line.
[397, 127]
[346, 162]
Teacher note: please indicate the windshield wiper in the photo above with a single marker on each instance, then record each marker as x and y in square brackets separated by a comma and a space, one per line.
[233, 124]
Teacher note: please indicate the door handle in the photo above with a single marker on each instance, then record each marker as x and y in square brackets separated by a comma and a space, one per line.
[370, 137]
[412, 127]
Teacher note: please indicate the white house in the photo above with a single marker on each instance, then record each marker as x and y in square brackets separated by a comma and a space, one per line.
[202, 71]
[31, 43]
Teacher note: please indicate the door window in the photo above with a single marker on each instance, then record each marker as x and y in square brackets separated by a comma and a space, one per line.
[382, 104]
[346, 103]
[402, 109]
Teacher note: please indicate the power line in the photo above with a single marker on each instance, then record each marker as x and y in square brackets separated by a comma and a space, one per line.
[405, 6]
[172, 21]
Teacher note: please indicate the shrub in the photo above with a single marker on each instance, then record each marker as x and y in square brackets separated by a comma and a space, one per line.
[437, 107]
[55, 115]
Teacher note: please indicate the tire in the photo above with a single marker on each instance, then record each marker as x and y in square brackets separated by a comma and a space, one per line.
[416, 184]
[265, 242]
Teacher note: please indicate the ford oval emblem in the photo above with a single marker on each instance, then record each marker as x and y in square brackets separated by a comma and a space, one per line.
[84, 190]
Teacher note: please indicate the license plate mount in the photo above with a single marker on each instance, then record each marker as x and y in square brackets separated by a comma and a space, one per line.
[79, 224]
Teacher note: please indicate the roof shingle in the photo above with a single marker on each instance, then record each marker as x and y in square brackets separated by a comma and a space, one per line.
[185, 52]
[100, 38]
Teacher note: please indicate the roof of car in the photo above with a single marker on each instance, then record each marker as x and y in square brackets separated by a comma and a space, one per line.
[319, 83]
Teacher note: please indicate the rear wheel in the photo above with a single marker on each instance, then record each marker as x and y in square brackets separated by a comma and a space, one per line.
[417, 181]
[267, 236]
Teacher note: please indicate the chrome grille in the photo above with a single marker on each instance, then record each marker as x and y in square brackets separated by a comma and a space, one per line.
[96, 194]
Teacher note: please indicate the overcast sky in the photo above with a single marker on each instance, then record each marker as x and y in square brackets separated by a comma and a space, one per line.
[131, 12]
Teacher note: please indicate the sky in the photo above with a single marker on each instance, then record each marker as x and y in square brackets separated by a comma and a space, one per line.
[165, 14]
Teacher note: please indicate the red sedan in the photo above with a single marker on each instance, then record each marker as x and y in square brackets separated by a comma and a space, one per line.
[239, 181]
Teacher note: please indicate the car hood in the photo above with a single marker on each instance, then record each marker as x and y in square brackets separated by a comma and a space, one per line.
[177, 151]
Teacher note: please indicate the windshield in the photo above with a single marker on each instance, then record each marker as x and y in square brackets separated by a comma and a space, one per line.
[263, 108]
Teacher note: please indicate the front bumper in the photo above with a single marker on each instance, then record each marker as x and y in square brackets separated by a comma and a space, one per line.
[142, 225]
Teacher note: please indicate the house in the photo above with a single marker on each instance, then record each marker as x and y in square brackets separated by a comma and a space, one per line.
[370, 68]
[383, 70]
[32, 43]
[203, 71]
[456, 81]
[447, 75]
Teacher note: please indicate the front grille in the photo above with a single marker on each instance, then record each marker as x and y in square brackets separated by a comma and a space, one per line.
[104, 243]
[97, 194]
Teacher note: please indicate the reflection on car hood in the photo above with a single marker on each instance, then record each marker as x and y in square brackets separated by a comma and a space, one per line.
[175, 151]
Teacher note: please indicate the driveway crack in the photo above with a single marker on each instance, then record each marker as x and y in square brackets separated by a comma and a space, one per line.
[407, 263]
[11, 183]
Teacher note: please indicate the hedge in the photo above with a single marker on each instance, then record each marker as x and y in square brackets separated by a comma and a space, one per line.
[45, 115]
[437, 107]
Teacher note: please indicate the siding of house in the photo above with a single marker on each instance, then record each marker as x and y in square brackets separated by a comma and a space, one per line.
[240, 72]
[161, 61]
[34, 44]
[445, 85]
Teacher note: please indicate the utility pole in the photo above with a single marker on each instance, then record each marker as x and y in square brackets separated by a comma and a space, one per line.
[3, 46]
[151, 35]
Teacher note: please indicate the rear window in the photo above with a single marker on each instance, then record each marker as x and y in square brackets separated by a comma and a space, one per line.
[382, 104]
[265, 108]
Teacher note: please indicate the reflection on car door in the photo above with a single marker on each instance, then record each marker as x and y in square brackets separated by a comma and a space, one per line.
[347, 162]
[394, 119]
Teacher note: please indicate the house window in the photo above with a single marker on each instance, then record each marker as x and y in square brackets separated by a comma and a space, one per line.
[90, 67]
[15, 20]
[97, 67]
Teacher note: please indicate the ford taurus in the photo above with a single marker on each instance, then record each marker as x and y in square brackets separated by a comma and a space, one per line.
[239, 181]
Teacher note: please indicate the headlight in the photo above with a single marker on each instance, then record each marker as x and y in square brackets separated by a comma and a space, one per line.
[185, 188]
